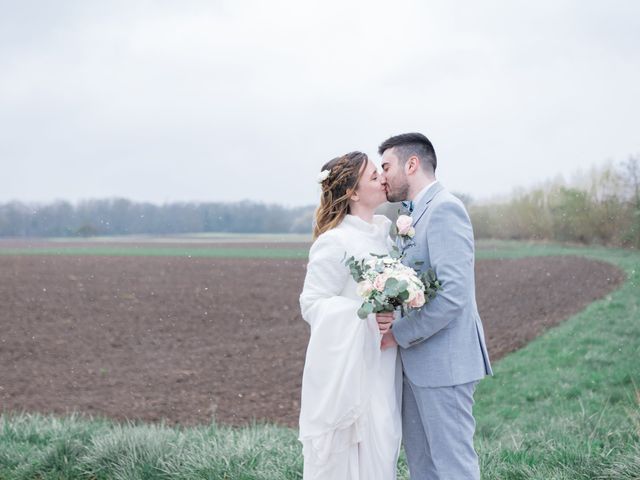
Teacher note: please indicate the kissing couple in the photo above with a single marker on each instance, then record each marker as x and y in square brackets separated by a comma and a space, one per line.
[370, 384]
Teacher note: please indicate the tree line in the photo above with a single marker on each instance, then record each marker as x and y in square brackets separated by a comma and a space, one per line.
[601, 206]
[123, 217]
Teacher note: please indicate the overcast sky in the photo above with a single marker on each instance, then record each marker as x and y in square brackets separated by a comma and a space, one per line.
[230, 100]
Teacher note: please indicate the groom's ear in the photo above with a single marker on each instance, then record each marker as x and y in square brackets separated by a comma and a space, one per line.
[412, 165]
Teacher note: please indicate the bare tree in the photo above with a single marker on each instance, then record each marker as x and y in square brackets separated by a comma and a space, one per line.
[632, 167]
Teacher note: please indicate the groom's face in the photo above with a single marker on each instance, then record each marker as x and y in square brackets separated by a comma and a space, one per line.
[393, 177]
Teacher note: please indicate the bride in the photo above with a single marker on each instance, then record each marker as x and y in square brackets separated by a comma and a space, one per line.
[350, 426]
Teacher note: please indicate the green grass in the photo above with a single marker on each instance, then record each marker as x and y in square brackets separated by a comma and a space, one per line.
[36, 446]
[151, 251]
[205, 237]
[566, 406]
[191, 245]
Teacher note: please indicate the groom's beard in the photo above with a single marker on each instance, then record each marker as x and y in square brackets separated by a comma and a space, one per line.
[399, 194]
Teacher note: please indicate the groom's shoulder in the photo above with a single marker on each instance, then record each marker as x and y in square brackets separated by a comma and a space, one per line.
[447, 199]
[448, 205]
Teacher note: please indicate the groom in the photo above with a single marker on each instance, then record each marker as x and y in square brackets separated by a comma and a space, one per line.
[442, 344]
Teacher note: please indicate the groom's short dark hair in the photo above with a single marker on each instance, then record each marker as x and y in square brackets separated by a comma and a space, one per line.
[409, 144]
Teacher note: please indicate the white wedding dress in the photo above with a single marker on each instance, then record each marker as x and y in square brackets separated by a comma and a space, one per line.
[350, 426]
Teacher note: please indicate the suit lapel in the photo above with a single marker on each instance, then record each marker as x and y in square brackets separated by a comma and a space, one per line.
[421, 207]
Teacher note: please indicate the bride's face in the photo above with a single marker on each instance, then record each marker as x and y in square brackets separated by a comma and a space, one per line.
[370, 191]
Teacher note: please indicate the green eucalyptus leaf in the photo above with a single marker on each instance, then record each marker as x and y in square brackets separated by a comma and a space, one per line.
[365, 310]
[391, 283]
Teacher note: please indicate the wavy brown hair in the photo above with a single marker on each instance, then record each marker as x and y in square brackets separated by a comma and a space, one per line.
[344, 175]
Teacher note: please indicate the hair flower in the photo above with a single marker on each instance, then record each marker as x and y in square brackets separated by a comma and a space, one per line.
[323, 175]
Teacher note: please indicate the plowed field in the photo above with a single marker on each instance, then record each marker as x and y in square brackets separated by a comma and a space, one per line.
[191, 339]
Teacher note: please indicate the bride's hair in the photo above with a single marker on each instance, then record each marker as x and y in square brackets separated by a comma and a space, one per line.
[344, 174]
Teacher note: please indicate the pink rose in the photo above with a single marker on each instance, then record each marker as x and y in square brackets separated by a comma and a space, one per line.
[404, 224]
[380, 280]
[418, 300]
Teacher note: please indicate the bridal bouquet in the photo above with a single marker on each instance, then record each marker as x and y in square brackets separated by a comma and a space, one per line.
[385, 284]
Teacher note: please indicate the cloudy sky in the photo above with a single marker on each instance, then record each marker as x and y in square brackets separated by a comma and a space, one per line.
[229, 100]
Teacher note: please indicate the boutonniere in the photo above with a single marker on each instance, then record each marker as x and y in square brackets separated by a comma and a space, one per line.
[405, 232]
[404, 226]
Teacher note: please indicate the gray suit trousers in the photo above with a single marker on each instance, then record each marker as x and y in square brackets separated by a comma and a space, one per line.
[437, 430]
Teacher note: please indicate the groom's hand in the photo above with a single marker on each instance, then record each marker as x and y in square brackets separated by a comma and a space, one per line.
[384, 319]
[388, 341]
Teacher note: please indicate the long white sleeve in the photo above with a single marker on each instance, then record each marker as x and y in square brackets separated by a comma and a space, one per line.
[342, 349]
[327, 275]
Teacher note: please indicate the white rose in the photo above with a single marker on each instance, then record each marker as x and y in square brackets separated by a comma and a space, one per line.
[364, 288]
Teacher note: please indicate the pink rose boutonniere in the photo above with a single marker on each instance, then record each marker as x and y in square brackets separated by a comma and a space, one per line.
[404, 224]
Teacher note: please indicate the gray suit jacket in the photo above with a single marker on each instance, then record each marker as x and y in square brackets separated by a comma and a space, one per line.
[442, 343]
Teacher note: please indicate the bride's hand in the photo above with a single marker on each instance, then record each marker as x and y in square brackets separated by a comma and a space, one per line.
[388, 341]
[384, 320]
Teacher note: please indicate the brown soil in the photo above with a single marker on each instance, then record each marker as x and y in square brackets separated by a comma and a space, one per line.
[193, 339]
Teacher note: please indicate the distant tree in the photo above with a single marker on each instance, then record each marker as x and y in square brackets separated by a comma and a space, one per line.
[600, 205]
[303, 221]
[86, 231]
[632, 174]
[120, 216]
[632, 169]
